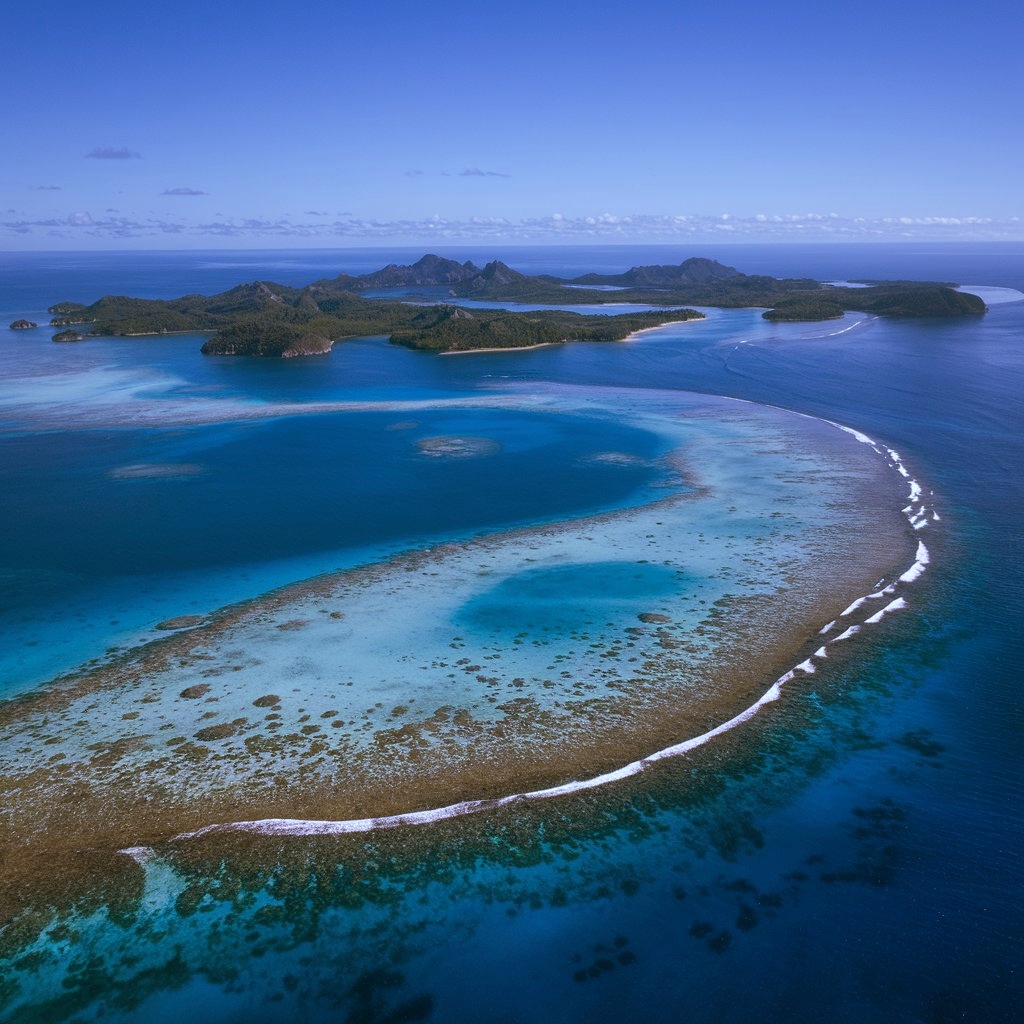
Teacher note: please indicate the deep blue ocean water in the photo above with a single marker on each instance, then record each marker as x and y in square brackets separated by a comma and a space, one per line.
[861, 864]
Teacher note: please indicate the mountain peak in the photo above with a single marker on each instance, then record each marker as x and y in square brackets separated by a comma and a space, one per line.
[427, 270]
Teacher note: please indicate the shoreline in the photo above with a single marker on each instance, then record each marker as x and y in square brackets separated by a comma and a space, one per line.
[569, 341]
[660, 327]
[130, 334]
[335, 341]
[508, 348]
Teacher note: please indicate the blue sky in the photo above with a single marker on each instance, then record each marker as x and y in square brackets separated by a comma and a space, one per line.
[257, 124]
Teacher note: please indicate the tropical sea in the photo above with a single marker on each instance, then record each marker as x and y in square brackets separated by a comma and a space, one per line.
[851, 852]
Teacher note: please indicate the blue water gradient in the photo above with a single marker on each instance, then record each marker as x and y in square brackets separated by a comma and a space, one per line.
[564, 599]
[858, 861]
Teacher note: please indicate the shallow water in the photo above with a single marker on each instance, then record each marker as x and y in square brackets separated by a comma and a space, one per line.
[575, 640]
[867, 831]
[562, 598]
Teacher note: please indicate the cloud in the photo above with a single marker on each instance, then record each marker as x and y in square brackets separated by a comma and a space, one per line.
[110, 153]
[83, 224]
[469, 172]
[183, 192]
[315, 213]
[475, 172]
[48, 188]
[634, 228]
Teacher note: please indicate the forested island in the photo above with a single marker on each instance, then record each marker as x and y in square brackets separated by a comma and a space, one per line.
[266, 319]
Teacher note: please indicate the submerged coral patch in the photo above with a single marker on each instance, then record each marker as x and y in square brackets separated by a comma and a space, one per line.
[457, 447]
[181, 622]
[156, 471]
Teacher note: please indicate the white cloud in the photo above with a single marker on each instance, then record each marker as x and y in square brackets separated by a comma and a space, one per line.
[475, 172]
[467, 172]
[110, 153]
[555, 227]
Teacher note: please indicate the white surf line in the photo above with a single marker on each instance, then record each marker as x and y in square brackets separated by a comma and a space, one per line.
[139, 854]
[892, 606]
[852, 631]
[311, 827]
[299, 827]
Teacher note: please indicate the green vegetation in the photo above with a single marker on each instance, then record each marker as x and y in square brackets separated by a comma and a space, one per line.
[267, 319]
[897, 299]
[452, 329]
[267, 337]
[927, 300]
[805, 307]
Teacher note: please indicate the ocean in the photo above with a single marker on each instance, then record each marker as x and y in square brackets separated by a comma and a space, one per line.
[852, 854]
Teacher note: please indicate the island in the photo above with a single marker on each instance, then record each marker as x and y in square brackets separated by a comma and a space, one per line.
[23, 325]
[68, 335]
[418, 306]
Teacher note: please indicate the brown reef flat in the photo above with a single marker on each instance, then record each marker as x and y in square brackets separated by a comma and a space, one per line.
[371, 693]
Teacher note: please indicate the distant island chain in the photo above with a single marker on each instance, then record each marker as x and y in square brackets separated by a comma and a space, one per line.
[418, 306]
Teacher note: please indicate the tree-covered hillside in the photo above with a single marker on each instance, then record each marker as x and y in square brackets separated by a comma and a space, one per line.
[267, 319]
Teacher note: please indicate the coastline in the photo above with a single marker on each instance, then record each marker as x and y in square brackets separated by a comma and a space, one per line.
[567, 341]
[660, 327]
[511, 348]
[446, 352]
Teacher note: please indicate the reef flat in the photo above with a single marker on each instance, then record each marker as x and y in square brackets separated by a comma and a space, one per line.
[511, 663]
